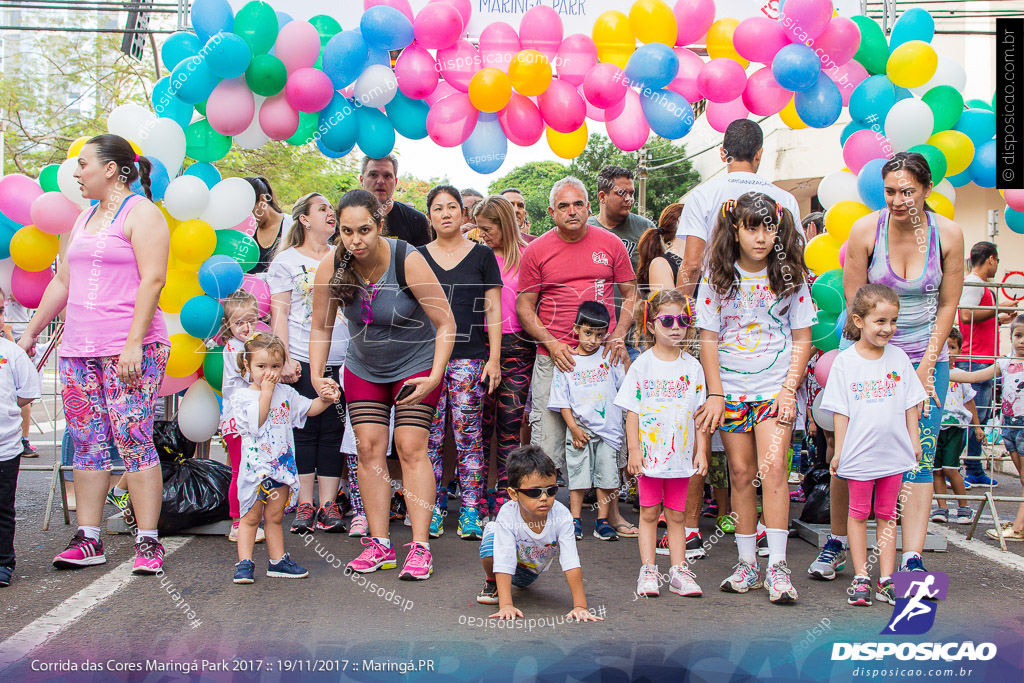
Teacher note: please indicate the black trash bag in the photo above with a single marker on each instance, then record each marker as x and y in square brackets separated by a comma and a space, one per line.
[816, 508]
[195, 493]
[170, 443]
[818, 474]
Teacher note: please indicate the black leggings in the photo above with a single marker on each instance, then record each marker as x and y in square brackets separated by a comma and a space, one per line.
[318, 444]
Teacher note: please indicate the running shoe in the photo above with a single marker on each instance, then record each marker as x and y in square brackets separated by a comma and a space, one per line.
[914, 564]
[305, 519]
[329, 519]
[120, 502]
[662, 547]
[489, 595]
[744, 577]
[233, 534]
[662, 524]
[780, 587]
[940, 514]
[149, 556]
[604, 531]
[358, 526]
[374, 556]
[830, 561]
[683, 582]
[245, 572]
[726, 524]
[81, 552]
[762, 544]
[795, 478]
[577, 525]
[695, 546]
[964, 514]
[27, 449]
[436, 523]
[647, 582]
[984, 480]
[286, 568]
[469, 526]
[418, 565]
[797, 496]
[886, 592]
[711, 510]
[860, 592]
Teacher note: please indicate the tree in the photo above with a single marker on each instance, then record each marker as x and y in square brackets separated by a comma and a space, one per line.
[293, 171]
[413, 191]
[534, 180]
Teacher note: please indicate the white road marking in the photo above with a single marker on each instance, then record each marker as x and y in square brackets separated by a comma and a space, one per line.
[28, 639]
[980, 548]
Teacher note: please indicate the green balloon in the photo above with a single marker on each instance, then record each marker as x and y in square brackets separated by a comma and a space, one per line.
[203, 143]
[980, 104]
[256, 24]
[326, 26]
[48, 178]
[946, 104]
[935, 158]
[266, 75]
[238, 246]
[823, 332]
[995, 99]
[827, 291]
[873, 53]
[213, 367]
[308, 123]
[201, 108]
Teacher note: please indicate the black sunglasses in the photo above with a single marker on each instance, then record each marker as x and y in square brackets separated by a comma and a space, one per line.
[538, 492]
[670, 321]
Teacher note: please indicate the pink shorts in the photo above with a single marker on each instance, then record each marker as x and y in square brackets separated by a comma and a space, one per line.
[668, 492]
[886, 490]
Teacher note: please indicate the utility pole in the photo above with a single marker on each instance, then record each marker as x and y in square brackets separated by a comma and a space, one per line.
[641, 189]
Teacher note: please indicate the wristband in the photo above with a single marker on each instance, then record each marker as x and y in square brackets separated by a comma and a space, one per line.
[722, 395]
[790, 388]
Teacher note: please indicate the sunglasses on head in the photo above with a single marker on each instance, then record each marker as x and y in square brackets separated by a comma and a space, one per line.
[538, 492]
[670, 321]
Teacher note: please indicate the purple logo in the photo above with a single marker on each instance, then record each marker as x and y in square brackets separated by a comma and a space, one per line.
[912, 615]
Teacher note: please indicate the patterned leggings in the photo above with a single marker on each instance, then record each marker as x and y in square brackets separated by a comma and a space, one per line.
[504, 409]
[353, 485]
[463, 392]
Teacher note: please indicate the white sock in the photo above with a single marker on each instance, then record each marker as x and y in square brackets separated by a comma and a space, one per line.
[425, 545]
[386, 542]
[761, 528]
[883, 579]
[119, 491]
[907, 556]
[277, 561]
[746, 545]
[777, 539]
[845, 540]
[142, 533]
[92, 532]
[691, 531]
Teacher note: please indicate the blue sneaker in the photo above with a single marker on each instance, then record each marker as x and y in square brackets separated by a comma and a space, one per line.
[5, 576]
[577, 525]
[984, 480]
[436, 523]
[831, 560]
[604, 531]
[286, 569]
[245, 572]
[469, 525]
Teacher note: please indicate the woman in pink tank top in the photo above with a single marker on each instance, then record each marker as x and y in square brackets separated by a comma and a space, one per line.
[114, 348]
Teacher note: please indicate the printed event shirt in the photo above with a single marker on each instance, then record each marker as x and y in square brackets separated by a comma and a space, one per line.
[1012, 372]
[589, 390]
[954, 413]
[515, 544]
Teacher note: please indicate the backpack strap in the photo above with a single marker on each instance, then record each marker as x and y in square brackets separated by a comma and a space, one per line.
[401, 251]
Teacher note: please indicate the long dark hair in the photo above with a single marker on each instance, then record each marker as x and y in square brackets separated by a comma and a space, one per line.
[787, 271]
[652, 242]
[345, 282]
[261, 186]
[110, 147]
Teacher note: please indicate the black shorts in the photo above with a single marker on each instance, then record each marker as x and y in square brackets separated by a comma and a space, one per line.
[318, 444]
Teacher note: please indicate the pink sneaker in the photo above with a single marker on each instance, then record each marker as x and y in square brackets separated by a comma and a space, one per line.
[358, 527]
[418, 565]
[149, 556]
[375, 556]
[81, 552]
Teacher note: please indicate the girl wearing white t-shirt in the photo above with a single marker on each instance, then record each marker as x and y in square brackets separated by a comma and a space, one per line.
[662, 390]
[755, 315]
[875, 397]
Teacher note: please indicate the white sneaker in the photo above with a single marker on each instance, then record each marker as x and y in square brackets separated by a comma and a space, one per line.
[795, 478]
[744, 577]
[777, 581]
[682, 581]
[964, 515]
[647, 582]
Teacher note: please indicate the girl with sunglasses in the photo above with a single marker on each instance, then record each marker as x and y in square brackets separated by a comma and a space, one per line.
[755, 314]
[662, 391]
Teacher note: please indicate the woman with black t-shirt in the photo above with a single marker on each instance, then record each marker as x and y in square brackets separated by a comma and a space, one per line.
[659, 254]
[271, 223]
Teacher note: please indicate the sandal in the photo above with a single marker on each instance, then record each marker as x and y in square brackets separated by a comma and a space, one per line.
[627, 530]
[1008, 533]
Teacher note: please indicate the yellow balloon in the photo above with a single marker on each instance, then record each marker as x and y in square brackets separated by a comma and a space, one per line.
[957, 148]
[529, 72]
[719, 41]
[822, 254]
[76, 147]
[181, 285]
[490, 90]
[941, 205]
[172, 222]
[568, 145]
[32, 249]
[135, 148]
[840, 218]
[912, 64]
[614, 38]
[652, 21]
[790, 117]
[187, 353]
[193, 241]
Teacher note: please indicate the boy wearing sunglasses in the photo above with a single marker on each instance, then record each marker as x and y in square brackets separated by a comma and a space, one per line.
[521, 542]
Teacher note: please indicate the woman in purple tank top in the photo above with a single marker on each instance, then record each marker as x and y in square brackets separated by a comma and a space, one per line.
[114, 348]
[920, 255]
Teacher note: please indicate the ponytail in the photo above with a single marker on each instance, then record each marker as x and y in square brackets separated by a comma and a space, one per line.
[145, 168]
[130, 166]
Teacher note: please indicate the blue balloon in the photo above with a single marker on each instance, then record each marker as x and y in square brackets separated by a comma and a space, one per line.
[7, 230]
[960, 179]
[338, 124]
[378, 56]
[206, 172]
[344, 58]
[652, 66]
[487, 146]
[840, 324]
[179, 47]
[872, 99]
[192, 81]
[977, 124]
[168, 106]
[211, 16]
[201, 316]
[851, 128]
[870, 185]
[820, 105]
[385, 28]
[282, 19]
[668, 113]
[227, 55]
[914, 24]
[330, 153]
[158, 180]
[902, 93]
[1014, 220]
[220, 275]
[376, 136]
[408, 116]
[796, 67]
[983, 168]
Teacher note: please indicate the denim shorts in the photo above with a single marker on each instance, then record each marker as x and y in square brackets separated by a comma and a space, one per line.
[1013, 433]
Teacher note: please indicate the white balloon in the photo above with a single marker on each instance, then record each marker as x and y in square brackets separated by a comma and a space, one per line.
[253, 136]
[164, 139]
[6, 271]
[376, 86]
[129, 121]
[947, 72]
[68, 185]
[199, 413]
[946, 189]
[187, 197]
[836, 187]
[822, 417]
[231, 200]
[909, 123]
[173, 323]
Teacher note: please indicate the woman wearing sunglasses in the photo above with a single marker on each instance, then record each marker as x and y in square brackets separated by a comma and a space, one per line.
[402, 332]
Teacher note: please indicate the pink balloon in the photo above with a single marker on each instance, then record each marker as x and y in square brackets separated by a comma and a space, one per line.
[842, 254]
[438, 26]
[298, 45]
[465, 8]
[862, 147]
[27, 287]
[846, 77]
[759, 38]
[576, 56]
[278, 119]
[402, 6]
[804, 20]
[17, 192]
[259, 289]
[685, 83]
[174, 385]
[605, 85]
[541, 29]
[416, 72]
[248, 226]
[1014, 199]
[443, 90]
[838, 42]
[721, 80]
[824, 365]
[309, 89]
[262, 327]
[458, 64]
[721, 114]
[521, 121]
[629, 130]
[53, 213]
[694, 18]
[562, 107]
[763, 96]
[231, 106]
[450, 121]
[499, 43]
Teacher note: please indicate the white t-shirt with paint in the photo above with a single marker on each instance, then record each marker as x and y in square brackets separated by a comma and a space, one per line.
[516, 544]
[954, 413]
[231, 381]
[589, 391]
[1012, 372]
[704, 203]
